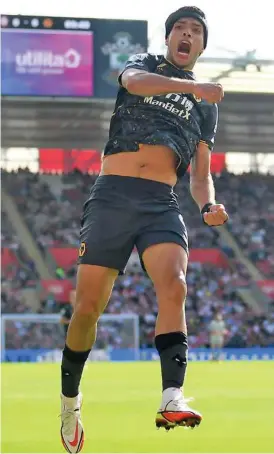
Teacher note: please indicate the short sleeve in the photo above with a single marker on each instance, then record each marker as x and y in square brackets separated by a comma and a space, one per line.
[209, 127]
[144, 62]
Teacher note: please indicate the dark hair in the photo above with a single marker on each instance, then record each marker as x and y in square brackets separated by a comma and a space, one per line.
[187, 11]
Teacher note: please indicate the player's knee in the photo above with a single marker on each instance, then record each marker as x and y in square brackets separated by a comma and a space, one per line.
[174, 290]
[87, 312]
[178, 291]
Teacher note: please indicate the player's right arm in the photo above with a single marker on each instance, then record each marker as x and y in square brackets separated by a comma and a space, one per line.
[138, 79]
[142, 83]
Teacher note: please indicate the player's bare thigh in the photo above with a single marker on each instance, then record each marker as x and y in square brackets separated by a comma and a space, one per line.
[152, 162]
[166, 264]
[93, 288]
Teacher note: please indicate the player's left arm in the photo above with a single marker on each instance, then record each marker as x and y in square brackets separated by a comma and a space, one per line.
[201, 183]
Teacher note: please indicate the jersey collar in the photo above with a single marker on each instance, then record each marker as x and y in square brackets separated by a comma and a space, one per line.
[180, 70]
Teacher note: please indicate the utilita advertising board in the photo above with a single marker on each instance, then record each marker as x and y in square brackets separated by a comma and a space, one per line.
[67, 57]
[47, 63]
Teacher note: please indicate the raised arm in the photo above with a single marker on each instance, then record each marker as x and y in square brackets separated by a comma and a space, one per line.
[142, 83]
[139, 79]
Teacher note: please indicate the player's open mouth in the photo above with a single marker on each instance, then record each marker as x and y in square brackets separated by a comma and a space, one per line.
[184, 48]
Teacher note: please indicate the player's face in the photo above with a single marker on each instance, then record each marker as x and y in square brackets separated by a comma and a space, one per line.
[185, 42]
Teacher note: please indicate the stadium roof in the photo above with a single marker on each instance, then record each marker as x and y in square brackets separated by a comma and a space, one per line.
[238, 75]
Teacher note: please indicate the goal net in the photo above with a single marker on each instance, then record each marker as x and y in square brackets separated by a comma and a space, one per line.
[41, 337]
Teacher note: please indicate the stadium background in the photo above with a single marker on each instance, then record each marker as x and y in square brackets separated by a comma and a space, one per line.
[55, 117]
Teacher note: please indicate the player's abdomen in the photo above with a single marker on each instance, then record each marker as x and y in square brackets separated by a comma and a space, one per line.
[152, 162]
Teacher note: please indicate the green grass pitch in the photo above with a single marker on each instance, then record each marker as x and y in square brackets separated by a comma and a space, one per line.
[120, 403]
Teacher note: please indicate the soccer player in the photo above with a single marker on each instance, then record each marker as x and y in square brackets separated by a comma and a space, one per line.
[217, 333]
[163, 120]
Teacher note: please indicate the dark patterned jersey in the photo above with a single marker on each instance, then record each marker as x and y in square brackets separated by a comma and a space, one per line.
[179, 121]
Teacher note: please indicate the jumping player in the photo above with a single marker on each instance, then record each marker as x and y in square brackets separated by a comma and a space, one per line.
[163, 120]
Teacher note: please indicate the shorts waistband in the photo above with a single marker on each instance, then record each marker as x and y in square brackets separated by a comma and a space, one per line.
[134, 184]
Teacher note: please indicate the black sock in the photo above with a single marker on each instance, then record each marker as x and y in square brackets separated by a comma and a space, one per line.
[172, 348]
[72, 369]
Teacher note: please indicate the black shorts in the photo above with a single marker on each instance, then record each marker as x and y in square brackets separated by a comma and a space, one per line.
[123, 212]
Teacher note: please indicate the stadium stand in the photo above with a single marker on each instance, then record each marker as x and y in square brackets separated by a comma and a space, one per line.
[51, 207]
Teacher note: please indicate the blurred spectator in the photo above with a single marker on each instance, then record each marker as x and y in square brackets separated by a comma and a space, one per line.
[60, 273]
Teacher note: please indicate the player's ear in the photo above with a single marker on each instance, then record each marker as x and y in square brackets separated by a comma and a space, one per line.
[166, 41]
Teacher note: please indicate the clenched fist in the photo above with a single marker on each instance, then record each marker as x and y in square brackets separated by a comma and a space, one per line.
[215, 216]
[210, 91]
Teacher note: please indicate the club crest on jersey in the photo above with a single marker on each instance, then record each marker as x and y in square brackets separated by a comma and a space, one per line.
[180, 105]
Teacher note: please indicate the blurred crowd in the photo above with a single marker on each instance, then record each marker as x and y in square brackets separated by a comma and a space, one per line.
[210, 290]
[250, 202]
[53, 217]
